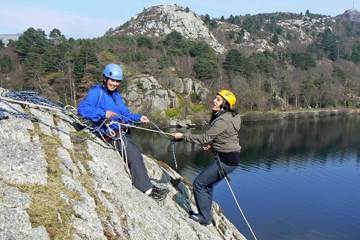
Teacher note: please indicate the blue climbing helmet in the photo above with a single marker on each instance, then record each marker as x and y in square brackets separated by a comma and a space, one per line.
[113, 71]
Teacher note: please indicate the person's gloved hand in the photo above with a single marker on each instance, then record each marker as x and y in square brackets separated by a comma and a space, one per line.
[178, 136]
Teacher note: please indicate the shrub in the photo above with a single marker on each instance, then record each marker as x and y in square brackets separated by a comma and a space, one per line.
[172, 113]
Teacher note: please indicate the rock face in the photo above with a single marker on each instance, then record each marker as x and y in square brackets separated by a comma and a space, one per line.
[144, 92]
[158, 21]
[350, 15]
[57, 183]
[304, 29]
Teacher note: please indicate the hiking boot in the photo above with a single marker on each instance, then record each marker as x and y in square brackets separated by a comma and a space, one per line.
[160, 191]
[198, 218]
[157, 196]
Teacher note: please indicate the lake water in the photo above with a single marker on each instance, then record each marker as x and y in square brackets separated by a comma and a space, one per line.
[298, 179]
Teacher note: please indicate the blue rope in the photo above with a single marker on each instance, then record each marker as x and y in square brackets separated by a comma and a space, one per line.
[32, 97]
[2, 114]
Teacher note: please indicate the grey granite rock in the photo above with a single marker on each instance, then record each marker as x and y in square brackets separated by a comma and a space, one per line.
[14, 220]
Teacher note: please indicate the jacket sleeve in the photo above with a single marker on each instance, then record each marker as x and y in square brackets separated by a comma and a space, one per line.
[88, 108]
[219, 126]
[125, 114]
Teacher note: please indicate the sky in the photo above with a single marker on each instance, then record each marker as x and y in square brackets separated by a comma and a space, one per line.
[92, 18]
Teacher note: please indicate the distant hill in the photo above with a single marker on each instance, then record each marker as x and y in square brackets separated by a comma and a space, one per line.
[350, 15]
[6, 37]
[158, 21]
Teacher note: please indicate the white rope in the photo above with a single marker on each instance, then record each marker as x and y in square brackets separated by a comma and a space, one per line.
[120, 138]
[238, 205]
[145, 129]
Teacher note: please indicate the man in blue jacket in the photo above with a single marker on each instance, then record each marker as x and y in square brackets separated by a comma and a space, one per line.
[104, 102]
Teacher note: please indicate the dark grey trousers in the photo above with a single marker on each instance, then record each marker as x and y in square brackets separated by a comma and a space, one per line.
[204, 185]
[140, 178]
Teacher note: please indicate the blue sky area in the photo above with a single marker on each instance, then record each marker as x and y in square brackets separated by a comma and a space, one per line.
[88, 19]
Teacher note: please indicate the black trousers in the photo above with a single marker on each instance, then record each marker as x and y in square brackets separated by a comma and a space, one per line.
[140, 178]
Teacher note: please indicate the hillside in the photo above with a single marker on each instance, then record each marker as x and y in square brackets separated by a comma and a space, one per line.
[175, 61]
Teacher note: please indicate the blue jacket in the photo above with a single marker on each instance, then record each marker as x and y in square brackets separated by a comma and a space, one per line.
[99, 100]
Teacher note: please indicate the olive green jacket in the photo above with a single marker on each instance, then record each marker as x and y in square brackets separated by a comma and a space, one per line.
[222, 134]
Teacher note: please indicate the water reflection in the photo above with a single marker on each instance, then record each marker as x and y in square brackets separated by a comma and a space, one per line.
[265, 145]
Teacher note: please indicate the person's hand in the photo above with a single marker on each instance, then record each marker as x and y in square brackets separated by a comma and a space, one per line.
[207, 147]
[178, 136]
[109, 114]
[144, 119]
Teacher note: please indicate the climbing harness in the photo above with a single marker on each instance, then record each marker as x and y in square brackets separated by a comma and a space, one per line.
[227, 179]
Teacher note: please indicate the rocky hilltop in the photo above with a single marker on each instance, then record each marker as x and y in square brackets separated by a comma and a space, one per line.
[60, 183]
[158, 21]
[350, 15]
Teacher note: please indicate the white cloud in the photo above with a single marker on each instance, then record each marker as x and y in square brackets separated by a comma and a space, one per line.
[15, 20]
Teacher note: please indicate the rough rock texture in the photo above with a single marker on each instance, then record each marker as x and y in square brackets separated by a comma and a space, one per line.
[305, 29]
[94, 196]
[144, 92]
[22, 159]
[158, 21]
[14, 221]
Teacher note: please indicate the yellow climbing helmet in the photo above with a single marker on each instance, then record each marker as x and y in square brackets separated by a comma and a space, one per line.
[228, 96]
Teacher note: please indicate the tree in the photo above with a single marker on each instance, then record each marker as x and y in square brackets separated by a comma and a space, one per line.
[235, 62]
[355, 55]
[56, 37]
[206, 19]
[31, 46]
[175, 44]
[303, 60]
[85, 61]
[144, 41]
[329, 43]
[2, 45]
[6, 64]
[31, 42]
[205, 65]
[275, 39]
[205, 68]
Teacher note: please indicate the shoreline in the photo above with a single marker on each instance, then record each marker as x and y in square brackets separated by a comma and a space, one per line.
[257, 116]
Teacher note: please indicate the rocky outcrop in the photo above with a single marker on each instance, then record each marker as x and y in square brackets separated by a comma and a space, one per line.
[351, 15]
[158, 21]
[58, 183]
[305, 29]
[144, 92]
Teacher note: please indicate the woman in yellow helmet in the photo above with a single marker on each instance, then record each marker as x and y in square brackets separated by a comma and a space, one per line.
[222, 139]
